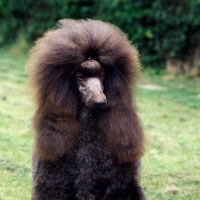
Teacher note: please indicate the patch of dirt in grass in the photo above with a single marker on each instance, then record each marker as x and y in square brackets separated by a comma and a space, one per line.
[198, 96]
[153, 87]
[172, 189]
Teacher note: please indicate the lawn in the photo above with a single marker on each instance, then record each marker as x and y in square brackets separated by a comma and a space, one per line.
[169, 109]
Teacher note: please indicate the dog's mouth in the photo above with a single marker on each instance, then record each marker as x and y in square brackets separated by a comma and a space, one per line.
[97, 104]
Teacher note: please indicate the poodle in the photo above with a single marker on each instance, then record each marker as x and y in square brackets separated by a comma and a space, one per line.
[89, 139]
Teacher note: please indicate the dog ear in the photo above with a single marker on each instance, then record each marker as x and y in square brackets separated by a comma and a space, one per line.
[55, 93]
[55, 122]
[120, 123]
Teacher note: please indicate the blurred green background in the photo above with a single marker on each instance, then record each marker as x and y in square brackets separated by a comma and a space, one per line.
[167, 35]
[166, 32]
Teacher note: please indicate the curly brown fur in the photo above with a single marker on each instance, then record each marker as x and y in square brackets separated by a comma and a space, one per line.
[82, 152]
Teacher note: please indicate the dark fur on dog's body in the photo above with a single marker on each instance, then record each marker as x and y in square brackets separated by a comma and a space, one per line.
[89, 140]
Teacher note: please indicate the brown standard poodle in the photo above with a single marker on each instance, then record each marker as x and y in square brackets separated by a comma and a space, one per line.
[89, 139]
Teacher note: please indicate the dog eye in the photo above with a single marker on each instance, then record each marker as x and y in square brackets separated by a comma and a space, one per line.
[80, 77]
[102, 75]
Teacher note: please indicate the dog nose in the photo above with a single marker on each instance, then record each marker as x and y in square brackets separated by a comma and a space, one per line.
[99, 103]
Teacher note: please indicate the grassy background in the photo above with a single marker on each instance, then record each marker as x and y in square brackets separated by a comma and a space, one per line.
[170, 114]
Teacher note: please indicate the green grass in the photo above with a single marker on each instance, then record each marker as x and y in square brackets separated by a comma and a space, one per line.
[15, 129]
[171, 118]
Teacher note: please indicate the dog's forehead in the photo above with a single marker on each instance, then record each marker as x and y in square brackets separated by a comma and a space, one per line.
[90, 66]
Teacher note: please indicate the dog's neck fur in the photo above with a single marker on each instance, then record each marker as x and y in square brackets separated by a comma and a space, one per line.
[87, 118]
[89, 127]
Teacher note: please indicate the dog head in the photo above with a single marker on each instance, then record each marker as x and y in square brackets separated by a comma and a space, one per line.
[89, 77]
[61, 71]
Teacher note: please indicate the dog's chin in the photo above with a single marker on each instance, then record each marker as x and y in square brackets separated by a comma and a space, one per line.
[96, 108]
